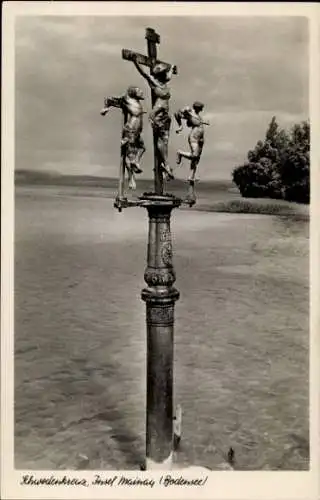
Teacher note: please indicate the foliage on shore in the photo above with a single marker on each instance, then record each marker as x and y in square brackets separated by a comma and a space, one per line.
[279, 166]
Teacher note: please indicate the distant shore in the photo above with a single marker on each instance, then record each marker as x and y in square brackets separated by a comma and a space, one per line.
[213, 195]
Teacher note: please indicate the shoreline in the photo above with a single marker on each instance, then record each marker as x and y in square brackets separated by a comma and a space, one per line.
[225, 200]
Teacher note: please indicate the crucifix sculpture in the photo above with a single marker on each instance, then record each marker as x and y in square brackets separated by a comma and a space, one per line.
[159, 295]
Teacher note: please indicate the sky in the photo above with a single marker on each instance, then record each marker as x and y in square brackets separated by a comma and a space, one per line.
[244, 69]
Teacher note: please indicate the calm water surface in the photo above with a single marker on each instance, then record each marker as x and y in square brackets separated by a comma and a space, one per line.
[241, 335]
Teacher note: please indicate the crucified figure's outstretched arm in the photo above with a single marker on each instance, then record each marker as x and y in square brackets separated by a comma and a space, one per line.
[182, 114]
[105, 109]
[150, 79]
[171, 70]
[179, 116]
[111, 102]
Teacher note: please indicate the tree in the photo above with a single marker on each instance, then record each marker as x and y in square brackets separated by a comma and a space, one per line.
[295, 165]
[277, 167]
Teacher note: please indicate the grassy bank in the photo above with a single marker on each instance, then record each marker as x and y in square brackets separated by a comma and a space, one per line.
[256, 206]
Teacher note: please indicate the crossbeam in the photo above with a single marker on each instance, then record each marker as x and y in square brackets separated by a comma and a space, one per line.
[129, 55]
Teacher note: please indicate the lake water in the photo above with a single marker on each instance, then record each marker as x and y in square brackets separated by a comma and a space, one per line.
[241, 334]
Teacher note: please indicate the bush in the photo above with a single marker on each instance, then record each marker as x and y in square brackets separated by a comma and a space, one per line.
[278, 167]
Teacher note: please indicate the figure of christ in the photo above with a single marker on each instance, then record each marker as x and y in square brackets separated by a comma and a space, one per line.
[196, 136]
[132, 144]
[159, 116]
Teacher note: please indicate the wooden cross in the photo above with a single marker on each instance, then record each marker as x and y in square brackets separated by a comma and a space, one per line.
[150, 61]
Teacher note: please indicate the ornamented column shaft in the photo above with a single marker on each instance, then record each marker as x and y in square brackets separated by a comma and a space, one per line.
[160, 297]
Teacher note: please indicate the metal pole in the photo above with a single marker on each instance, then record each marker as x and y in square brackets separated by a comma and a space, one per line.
[160, 297]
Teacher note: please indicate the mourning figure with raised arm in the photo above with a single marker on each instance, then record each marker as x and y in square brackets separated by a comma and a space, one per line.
[159, 117]
[194, 121]
[132, 144]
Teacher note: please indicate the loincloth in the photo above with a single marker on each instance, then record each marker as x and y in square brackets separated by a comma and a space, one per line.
[130, 134]
[161, 124]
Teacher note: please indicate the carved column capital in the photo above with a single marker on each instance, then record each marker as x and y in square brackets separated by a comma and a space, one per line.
[159, 274]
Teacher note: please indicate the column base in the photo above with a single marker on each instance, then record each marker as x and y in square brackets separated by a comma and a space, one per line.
[166, 464]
